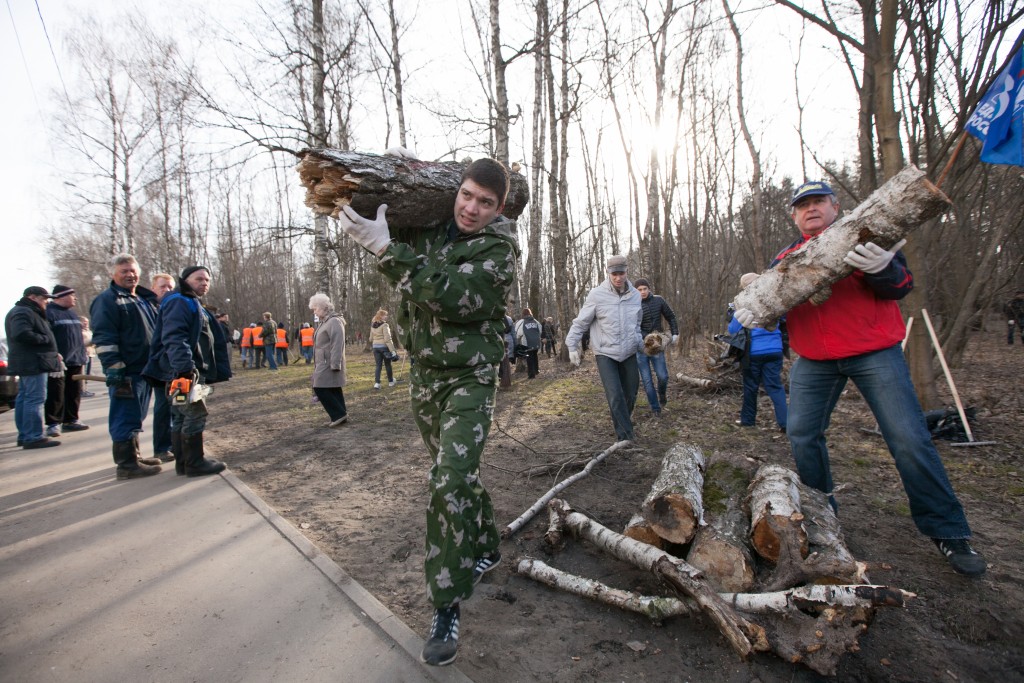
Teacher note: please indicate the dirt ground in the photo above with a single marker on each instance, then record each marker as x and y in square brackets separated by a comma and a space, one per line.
[358, 492]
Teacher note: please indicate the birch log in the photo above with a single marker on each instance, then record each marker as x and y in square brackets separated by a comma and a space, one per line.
[892, 211]
[674, 508]
[419, 194]
[698, 382]
[775, 517]
[742, 635]
[639, 530]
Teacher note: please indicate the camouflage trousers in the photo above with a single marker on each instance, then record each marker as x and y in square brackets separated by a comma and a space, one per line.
[453, 410]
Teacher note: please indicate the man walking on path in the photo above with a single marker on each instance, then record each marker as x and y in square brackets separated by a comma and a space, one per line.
[857, 334]
[63, 394]
[454, 281]
[123, 317]
[654, 309]
[611, 314]
[32, 354]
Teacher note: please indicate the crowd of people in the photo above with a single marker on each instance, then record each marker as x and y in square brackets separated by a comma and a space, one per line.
[455, 282]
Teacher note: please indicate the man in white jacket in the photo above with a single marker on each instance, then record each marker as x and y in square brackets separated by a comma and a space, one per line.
[612, 313]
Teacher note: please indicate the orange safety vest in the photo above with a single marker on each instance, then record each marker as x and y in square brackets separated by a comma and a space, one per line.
[307, 335]
[257, 336]
[246, 337]
[281, 337]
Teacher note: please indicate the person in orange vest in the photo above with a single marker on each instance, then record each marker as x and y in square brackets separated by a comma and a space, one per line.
[246, 346]
[257, 346]
[306, 341]
[282, 345]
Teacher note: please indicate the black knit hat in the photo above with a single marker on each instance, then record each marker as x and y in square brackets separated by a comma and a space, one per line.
[61, 290]
[191, 269]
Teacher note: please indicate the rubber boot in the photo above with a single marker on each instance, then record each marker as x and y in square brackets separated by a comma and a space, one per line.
[196, 465]
[179, 455]
[138, 452]
[128, 465]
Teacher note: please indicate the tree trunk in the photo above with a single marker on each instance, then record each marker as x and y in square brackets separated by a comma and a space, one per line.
[639, 530]
[674, 508]
[890, 213]
[775, 517]
[418, 193]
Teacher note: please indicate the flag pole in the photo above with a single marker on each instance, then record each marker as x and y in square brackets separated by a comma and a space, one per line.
[952, 159]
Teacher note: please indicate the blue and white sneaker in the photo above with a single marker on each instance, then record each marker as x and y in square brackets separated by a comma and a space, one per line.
[443, 645]
[484, 565]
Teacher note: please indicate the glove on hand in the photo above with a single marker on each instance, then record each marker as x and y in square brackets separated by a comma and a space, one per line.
[745, 317]
[56, 374]
[115, 377]
[372, 235]
[574, 358]
[401, 153]
[675, 338]
[186, 374]
[871, 258]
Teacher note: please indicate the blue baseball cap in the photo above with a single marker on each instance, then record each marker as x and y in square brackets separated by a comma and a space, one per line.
[810, 189]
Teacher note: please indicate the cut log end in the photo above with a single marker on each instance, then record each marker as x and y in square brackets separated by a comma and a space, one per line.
[672, 517]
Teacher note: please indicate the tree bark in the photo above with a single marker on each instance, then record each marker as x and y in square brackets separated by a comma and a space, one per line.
[674, 508]
[418, 193]
[889, 214]
[775, 517]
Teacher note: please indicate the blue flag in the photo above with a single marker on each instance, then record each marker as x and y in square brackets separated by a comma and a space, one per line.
[999, 119]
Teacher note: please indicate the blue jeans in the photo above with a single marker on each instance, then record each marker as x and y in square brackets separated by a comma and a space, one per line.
[621, 381]
[271, 357]
[28, 407]
[381, 356]
[161, 419]
[126, 414]
[307, 353]
[884, 382]
[767, 370]
[657, 362]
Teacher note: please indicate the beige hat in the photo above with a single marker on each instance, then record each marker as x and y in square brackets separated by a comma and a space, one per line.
[616, 264]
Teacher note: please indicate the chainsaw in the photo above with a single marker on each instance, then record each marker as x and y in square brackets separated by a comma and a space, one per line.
[184, 390]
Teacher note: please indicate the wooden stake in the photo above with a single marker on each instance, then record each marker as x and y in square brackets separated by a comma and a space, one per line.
[949, 376]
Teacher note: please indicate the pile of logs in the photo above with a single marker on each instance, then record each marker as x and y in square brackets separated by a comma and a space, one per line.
[750, 547]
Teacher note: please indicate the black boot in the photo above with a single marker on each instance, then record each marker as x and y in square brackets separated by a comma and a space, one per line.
[179, 455]
[138, 452]
[128, 465]
[196, 465]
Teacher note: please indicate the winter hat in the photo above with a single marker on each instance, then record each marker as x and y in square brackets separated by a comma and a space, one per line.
[191, 269]
[641, 282]
[61, 290]
[616, 264]
[36, 291]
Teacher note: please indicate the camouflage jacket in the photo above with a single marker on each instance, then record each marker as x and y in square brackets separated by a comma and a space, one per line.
[453, 293]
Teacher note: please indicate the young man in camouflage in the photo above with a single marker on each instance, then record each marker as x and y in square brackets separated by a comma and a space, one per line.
[454, 281]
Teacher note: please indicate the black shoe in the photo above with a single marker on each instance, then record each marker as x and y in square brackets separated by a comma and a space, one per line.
[164, 456]
[40, 443]
[961, 556]
[74, 427]
[139, 470]
[196, 463]
[484, 565]
[443, 644]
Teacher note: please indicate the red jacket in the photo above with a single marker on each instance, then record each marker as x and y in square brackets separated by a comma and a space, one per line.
[861, 316]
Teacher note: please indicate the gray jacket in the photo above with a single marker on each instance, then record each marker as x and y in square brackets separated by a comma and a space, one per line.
[613, 320]
[329, 353]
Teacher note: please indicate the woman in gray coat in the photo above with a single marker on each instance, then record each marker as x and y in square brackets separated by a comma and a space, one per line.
[329, 358]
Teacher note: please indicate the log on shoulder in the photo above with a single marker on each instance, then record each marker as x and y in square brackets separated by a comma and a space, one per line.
[892, 211]
[418, 193]
[674, 508]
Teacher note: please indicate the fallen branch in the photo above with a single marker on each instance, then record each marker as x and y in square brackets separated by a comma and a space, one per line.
[521, 521]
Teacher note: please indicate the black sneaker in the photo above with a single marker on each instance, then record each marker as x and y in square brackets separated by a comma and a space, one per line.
[74, 427]
[40, 443]
[443, 644]
[484, 565]
[961, 556]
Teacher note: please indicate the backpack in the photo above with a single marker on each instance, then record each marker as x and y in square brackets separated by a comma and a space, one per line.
[527, 336]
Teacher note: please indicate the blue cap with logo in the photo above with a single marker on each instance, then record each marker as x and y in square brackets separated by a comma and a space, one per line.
[810, 189]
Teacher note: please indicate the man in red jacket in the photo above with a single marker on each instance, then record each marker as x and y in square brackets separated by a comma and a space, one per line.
[856, 334]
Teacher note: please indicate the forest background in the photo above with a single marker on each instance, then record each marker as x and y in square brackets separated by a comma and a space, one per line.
[670, 131]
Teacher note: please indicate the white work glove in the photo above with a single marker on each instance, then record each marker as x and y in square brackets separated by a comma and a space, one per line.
[372, 235]
[745, 317]
[675, 338]
[401, 153]
[574, 357]
[871, 258]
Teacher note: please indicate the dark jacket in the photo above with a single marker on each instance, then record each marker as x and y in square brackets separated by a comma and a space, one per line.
[122, 327]
[67, 330]
[187, 337]
[32, 349]
[654, 307]
[861, 315]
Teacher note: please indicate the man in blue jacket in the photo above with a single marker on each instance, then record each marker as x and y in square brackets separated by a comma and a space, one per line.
[63, 394]
[33, 355]
[122, 319]
[762, 365]
[188, 343]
